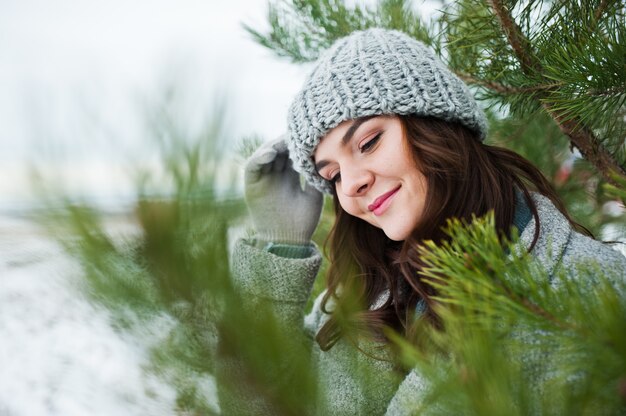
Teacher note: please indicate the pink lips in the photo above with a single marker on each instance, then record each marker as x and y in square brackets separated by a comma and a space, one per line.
[381, 203]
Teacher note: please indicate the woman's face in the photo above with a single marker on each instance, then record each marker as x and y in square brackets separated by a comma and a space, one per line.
[374, 173]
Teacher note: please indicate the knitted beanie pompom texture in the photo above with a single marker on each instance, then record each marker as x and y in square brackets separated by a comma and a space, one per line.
[374, 72]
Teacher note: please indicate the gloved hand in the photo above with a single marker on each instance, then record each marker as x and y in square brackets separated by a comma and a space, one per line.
[282, 212]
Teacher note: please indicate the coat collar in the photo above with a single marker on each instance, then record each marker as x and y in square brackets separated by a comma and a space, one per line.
[554, 234]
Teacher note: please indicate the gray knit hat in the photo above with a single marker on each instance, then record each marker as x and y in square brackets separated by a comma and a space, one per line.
[372, 72]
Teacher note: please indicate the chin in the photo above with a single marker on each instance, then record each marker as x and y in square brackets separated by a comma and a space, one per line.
[396, 235]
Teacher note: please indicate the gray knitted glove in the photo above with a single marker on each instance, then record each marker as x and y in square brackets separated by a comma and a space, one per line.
[281, 210]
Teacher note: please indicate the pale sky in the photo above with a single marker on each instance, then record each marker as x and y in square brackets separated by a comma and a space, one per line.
[73, 75]
[74, 72]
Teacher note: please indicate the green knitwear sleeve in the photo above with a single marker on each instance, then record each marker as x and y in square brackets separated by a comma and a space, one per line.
[282, 284]
[282, 272]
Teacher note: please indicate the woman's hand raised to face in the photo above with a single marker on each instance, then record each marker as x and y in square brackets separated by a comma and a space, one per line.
[281, 210]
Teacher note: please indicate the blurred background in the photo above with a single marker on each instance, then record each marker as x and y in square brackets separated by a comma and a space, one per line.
[82, 83]
[77, 77]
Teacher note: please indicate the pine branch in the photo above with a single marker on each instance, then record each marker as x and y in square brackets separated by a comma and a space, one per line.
[537, 310]
[585, 141]
[580, 136]
[513, 337]
[301, 29]
[600, 10]
[520, 44]
[503, 89]
[608, 92]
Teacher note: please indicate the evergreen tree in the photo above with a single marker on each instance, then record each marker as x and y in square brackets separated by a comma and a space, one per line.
[551, 74]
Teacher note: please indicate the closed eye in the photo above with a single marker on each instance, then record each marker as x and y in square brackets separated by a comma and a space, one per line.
[367, 146]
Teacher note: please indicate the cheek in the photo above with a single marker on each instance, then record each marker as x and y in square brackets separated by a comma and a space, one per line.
[349, 205]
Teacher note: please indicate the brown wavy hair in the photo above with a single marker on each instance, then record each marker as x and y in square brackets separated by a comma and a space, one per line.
[465, 177]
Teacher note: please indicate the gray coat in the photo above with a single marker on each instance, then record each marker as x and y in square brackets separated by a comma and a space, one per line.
[341, 369]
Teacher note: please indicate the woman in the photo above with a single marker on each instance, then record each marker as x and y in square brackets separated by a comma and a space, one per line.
[396, 138]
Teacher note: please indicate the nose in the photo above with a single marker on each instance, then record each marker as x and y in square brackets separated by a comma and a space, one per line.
[355, 181]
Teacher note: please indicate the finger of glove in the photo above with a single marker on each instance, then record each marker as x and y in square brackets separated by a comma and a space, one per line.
[291, 176]
[265, 155]
[260, 163]
[280, 145]
[313, 195]
[282, 162]
[282, 154]
[312, 191]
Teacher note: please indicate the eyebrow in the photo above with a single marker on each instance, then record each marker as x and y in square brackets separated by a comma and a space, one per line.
[346, 138]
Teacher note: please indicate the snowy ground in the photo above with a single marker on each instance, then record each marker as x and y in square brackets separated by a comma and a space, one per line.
[58, 353]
